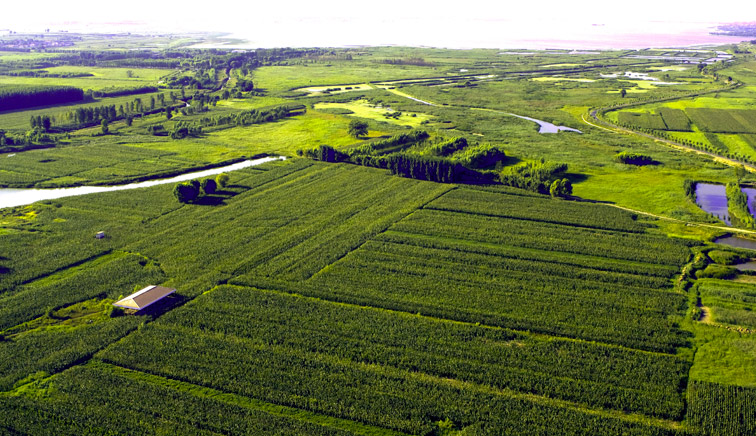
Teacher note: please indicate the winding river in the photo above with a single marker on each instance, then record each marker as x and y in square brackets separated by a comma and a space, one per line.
[11, 197]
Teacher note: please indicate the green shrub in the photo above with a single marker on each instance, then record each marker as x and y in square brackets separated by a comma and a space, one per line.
[221, 180]
[480, 156]
[186, 191]
[630, 158]
[209, 186]
[725, 257]
[715, 271]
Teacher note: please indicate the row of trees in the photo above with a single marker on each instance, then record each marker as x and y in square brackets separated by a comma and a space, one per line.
[14, 98]
[85, 116]
[253, 116]
[187, 192]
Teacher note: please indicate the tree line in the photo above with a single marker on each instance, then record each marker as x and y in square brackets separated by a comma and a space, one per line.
[14, 98]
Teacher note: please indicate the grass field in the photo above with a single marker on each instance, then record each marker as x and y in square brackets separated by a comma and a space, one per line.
[362, 109]
[284, 78]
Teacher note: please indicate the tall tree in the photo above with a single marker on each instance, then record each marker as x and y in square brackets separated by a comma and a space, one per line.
[358, 128]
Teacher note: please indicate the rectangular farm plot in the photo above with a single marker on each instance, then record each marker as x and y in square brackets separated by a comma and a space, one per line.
[723, 120]
[643, 120]
[675, 119]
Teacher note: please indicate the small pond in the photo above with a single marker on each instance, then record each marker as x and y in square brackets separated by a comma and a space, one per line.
[547, 127]
[748, 266]
[712, 199]
[737, 242]
[20, 197]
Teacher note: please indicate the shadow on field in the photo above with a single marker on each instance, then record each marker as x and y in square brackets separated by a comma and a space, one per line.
[210, 200]
[226, 193]
[576, 177]
[161, 307]
[510, 160]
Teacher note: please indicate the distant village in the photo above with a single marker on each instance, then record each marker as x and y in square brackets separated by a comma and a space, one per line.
[40, 42]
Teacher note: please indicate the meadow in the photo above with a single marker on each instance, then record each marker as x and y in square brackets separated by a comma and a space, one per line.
[337, 292]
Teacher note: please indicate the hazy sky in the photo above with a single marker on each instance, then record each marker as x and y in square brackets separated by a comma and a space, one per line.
[339, 22]
[237, 14]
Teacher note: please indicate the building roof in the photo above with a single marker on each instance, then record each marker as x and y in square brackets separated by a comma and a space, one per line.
[144, 297]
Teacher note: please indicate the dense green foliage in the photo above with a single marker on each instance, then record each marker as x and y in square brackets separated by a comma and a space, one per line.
[14, 98]
[395, 143]
[81, 406]
[717, 272]
[419, 167]
[533, 176]
[480, 156]
[630, 158]
[561, 188]
[643, 120]
[186, 192]
[358, 129]
[730, 303]
[725, 257]
[448, 147]
[737, 205]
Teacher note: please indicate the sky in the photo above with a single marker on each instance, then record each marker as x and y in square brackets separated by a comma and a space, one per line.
[392, 21]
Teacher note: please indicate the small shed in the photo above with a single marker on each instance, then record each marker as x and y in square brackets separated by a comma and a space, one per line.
[100, 235]
[144, 297]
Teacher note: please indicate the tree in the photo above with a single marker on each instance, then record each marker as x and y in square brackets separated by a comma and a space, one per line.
[104, 126]
[46, 123]
[358, 128]
[561, 188]
[186, 191]
[168, 114]
[129, 120]
[623, 92]
[209, 186]
[129, 74]
[222, 180]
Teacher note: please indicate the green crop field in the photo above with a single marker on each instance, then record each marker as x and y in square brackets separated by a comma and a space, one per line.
[424, 261]
[279, 262]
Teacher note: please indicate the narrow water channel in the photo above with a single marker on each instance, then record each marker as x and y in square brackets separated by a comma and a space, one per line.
[11, 197]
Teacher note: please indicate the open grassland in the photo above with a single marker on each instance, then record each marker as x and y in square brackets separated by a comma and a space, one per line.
[342, 73]
[100, 73]
[362, 109]
[111, 77]
[536, 315]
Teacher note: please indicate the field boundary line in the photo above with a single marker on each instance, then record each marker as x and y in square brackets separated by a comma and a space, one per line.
[387, 228]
